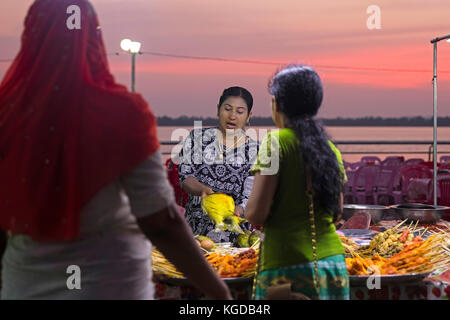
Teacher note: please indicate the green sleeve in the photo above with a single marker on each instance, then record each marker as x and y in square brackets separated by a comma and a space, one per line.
[340, 162]
[269, 155]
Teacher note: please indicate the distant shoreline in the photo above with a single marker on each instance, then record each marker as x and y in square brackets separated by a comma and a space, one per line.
[337, 122]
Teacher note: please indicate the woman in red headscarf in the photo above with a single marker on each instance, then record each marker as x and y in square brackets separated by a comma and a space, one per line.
[82, 181]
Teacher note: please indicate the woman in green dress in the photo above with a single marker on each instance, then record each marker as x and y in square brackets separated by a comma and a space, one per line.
[279, 200]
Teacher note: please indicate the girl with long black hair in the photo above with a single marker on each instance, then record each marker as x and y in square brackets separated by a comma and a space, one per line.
[297, 194]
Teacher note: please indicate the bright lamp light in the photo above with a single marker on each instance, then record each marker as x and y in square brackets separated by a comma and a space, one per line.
[125, 44]
[135, 47]
[130, 46]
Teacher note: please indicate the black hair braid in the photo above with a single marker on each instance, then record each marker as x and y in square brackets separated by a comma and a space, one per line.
[322, 161]
[298, 93]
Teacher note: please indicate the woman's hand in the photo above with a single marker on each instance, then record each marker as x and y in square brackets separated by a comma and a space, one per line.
[196, 188]
[239, 211]
[206, 191]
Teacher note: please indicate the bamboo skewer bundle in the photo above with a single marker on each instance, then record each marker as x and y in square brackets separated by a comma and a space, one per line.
[419, 257]
[160, 265]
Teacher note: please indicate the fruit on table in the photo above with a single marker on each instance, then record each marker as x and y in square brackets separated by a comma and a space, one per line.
[207, 244]
[220, 209]
[254, 236]
[243, 240]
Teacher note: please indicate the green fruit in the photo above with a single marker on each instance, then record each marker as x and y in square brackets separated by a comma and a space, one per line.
[201, 238]
[254, 236]
[242, 240]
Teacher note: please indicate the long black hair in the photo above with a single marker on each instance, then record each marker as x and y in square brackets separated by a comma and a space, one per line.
[298, 93]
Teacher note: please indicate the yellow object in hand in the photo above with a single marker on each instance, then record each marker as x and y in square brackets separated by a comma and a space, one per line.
[220, 209]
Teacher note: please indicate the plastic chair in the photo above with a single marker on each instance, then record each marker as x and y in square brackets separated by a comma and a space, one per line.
[411, 172]
[370, 160]
[356, 165]
[348, 195]
[444, 159]
[393, 160]
[347, 165]
[413, 161]
[363, 184]
[444, 199]
[387, 185]
[428, 164]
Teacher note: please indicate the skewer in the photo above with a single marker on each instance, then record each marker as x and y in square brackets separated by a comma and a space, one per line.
[424, 232]
[397, 226]
[417, 222]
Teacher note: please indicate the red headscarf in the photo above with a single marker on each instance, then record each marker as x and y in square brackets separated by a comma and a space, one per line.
[66, 128]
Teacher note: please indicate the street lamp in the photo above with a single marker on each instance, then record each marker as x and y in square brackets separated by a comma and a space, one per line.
[434, 42]
[133, 48]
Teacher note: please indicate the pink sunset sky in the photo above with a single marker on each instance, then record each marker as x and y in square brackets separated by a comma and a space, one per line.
[323, 33]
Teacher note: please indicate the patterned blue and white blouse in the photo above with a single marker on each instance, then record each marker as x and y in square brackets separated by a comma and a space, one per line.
[226, 172]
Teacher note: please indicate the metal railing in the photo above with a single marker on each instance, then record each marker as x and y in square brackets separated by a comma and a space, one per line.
[428, 143]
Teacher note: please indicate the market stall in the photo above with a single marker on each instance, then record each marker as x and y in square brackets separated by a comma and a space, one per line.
[402, 256]
[234, 262]
[236, 266]
[397, 259]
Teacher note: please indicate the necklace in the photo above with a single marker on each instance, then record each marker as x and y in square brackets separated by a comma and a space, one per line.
[221, 149]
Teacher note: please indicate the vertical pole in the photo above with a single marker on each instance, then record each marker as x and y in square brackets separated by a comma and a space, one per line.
[133, 71]
[435, 123]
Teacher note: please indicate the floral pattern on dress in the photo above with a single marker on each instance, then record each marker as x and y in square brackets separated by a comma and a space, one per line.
[200, 158]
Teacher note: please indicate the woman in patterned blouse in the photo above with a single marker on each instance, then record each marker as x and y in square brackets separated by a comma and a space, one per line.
[218, 159]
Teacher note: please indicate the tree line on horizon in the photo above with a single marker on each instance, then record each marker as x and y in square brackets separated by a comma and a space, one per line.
[344, 122]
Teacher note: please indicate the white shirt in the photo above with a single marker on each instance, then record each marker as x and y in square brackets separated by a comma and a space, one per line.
[112, 253]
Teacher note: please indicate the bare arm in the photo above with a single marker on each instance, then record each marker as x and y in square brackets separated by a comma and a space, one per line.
[168, 231]
[258, 205]
[195, 188]
[152, 203]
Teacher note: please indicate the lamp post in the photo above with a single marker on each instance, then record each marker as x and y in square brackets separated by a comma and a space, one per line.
[133, 48]
[435, 42]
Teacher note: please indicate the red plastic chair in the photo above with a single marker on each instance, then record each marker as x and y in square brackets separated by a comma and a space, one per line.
[181, 197]
[348, 195]
[387, 185]
[356, 165]
[393, 160]
[444, 199]
[428, 164]
[371, 160]
[413, 161]
[363, 184]
[410, 172]
[347, 165]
